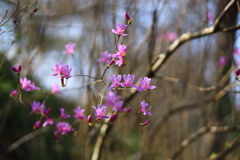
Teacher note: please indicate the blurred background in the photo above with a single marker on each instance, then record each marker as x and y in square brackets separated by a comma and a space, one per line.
[185, 104]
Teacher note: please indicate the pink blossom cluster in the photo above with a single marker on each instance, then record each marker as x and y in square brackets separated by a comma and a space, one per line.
[128, 80]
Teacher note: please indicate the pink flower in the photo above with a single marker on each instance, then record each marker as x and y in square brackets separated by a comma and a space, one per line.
[55, 88]
[222, 61]
[63, 114]
[145, 84]
[27, 85]
[69, 48]
[89, 119]
[63, 128]
[36, 107]
[106, 57]
[63, 70]
[18, 69]
[115, 81]
[100, 112]
[79, 113]
[120, 29]
[171, 36]
[13, 93]
[111, 98]
[121, 50]
[119, 61]
[236, 51]
[145, 109]
[118, 106]
[48, 121]
[128, 80]
[210, 18]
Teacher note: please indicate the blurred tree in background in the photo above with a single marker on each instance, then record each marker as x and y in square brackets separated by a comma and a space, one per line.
[189, 48]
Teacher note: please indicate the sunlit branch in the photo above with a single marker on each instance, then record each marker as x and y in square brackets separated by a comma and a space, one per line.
[199, 133]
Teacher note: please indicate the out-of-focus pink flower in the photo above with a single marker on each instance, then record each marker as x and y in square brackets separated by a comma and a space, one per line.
[169, 36]
[69, 48]
[145, 123]
[145, 84]
[48, 121]
[27, 85]
[111, 98]
[13, 93]
[63, 114]
[63, 128]
[118, 106]
[210, 18]
[120, 29]
[128, 80]
[79, 113]
[37, 125]
[18, 69]
[127, 110]
[237, 73]
[100, 112]
[115, 81]
[222, 61]
[145, 108]
[236, 51]
[106, 57]
[55, 88]
[64, 71]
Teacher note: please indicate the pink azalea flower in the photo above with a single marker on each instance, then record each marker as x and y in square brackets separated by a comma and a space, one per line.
[69, 48]
[128, 80]
[55, 88]
[171, 36]
[79, 113]
[222, 61]
[236, 51]
[48, 121]
[115, 81]
[145, 109]
[63, 128]
[111, 98]
[106, 57]
[145, 84]
[119, 61]
[100, 112]
[118, 106]
[27, 85]
[113, 117]
[36, 107]
[63, 114]
[63, 70]
[120, 29]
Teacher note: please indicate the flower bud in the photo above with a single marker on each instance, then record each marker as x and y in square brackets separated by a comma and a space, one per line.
[113, 117]
[17, 70]
[145, 123]
[127, 16]
[37, 125]
[13, 93]
[110, 63]
[89, 119]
